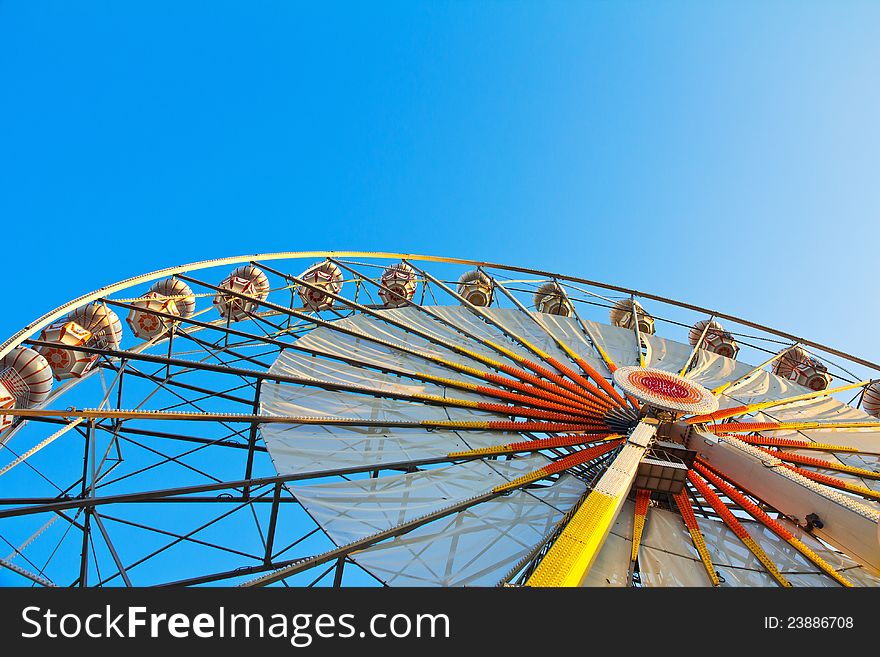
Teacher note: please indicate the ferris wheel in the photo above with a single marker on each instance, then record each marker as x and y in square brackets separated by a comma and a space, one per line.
[347, 418]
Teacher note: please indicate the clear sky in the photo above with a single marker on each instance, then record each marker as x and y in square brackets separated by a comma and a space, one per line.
[723, 153]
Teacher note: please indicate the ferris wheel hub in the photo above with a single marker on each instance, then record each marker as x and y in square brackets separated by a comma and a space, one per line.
[665, 390]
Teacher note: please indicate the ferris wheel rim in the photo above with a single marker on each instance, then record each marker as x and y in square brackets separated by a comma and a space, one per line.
[46, 319]
[352, 307]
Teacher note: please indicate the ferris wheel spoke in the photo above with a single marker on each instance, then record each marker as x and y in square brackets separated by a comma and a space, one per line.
[503, 426]
[591, 391]
[19, 551]
[687, 513]
[24, 572]
[607, 391]
[526, 378]
[736, 527]
[363, 545]
[727, 386]
[573, 440]
[610, 365]
[835, 482]
[697, 346]
[637, 332]
[767, 441]
[183, 493]
[566, 377]
[577, 458]
[727, 487]
[571, 556]
[749, 427]
[640, 516]
[279, 378]
[822, 464]
[745, 409]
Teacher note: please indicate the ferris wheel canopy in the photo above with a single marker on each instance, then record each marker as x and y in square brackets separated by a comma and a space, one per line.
[716, 339]
[621, 315]
[871, 400]
[398, 285]
[811, 374]
[246, 280]
[550, 299]
[324, 279]
[179, 292]
[476, 288]
[784, 365]
[25, 381]
[143, 319]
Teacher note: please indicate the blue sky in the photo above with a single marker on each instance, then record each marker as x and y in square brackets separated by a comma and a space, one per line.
[721, 153]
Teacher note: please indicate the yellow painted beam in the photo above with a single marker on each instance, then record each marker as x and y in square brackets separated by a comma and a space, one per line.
[571, 556]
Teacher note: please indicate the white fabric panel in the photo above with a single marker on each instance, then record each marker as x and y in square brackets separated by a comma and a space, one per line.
[475, 547]
[332, 342]
[528, 329]
[295, 400]
[612, 563]
[292, 363]
[712, 370]
[667, 556]
[383, 331]
[349, 510]
[796, 567]
[297, 449]
[478, 546]
[666, 354]
[734, 562]
[472, 323]
[570, 332]
[618, 343]
[826, 409]
[460, 317]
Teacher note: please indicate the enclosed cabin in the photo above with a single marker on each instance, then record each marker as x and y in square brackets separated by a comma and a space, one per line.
[623, 312]
[249, 286]
[811, 374]
[550, 299]
[476, 288]
[397, 285]
[784, 366]
[797, 365]
[25, 381]
[711, 336]
[322, 279]
[94, 326]
[169, 296]
[177, 291]
[871, 400]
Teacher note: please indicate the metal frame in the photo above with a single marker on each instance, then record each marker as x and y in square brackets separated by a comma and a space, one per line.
[184, 369]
